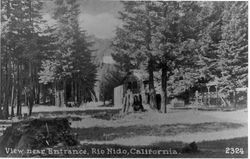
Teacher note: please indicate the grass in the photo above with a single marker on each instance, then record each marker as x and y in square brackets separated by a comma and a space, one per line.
[111, 133]
[106, 125]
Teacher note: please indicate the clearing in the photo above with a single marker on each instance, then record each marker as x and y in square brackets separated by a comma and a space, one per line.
[213, 131]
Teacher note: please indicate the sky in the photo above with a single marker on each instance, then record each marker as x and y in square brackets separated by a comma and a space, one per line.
[97, 17]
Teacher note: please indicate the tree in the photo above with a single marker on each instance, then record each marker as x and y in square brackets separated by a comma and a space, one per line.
[71, 62]
[20, 19]
[233, 47]
[132, 44]
[174, 44]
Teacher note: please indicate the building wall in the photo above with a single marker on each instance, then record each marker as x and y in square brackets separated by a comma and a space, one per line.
[118, 96]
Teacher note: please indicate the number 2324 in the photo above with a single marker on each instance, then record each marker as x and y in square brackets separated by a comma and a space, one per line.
[234, 150]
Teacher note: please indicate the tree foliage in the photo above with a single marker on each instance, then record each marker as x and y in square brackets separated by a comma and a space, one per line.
[233, 47]
[20, 35]
[189, 42]
[32, 52]
[71, 60]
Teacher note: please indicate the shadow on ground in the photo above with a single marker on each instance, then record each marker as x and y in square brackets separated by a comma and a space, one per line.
[104, 114]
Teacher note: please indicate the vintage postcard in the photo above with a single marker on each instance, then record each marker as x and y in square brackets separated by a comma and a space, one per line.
[124, 79]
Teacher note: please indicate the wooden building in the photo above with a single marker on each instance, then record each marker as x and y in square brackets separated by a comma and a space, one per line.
[136, 82]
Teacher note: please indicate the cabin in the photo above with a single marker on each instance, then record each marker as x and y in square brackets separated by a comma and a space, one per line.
[137, 83]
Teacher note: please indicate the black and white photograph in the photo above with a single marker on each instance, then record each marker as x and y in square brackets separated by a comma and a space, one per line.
[123, 79]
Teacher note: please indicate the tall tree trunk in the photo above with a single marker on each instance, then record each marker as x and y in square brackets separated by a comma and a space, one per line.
[63, 99]
[12, 99]
[38, 93]
[164, 89]
[25, 97]
[6, 99]
[56, 94]
[18, 91]
[235, 99]
[148, 41]
[31, 89]
[72, 91]
[59, 99]
[37, 86]
[31, 98]
[104, 100]
[13, 89]
[75, 92]
[152, 93]
[1, 85]
[78, 92]
[31, 103]
[60, 93]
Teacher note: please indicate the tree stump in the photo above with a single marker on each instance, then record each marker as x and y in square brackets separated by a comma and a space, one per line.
[127, 102]
[36, 134]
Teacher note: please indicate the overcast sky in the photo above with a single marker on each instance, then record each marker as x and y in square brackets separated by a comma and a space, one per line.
[97, 17]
